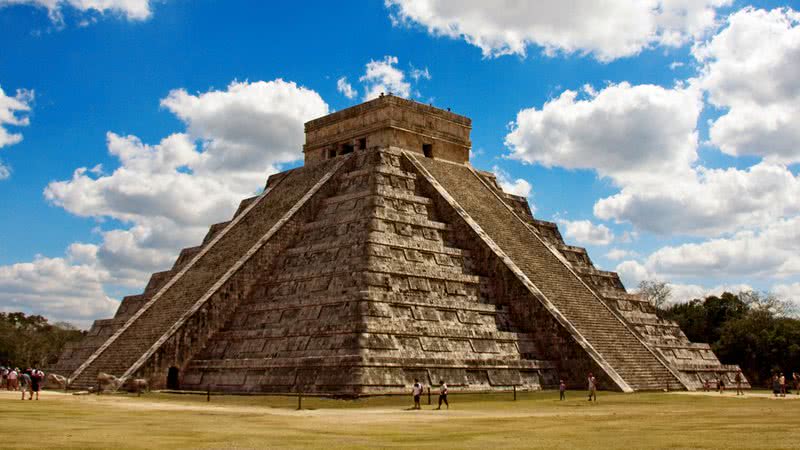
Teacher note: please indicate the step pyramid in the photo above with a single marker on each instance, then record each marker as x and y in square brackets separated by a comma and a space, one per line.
[384, 259]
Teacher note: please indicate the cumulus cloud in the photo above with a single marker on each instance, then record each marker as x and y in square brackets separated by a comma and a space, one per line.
[708, 202]
[68, 289]
[624, 132]
[131, 9]
[517, 186]
[167, 194]
[384, 76]
[773, 251]
[616, 254]
[607, 30]
[632, 272]
[750, 70]
[789, 292]
[644, 139]
[345, 88]
[586, 232]
[13, 112]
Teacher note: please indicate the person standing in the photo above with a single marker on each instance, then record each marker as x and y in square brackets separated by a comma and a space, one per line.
[13, 379]
[721, 384]
[37, 377]
[26, 384]
[592, 387]
[738, 380]
[796, 378]
[782, 382]
[562, 390]
[417, 392]
[776, 385]
[443, 394]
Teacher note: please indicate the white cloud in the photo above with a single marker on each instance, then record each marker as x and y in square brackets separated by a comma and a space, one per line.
[345, 88]
[418, 74]
[585, 232]
[616, 254]
[627, 133]
[708, 202]
[517, 186]
[644, 139]
[790, 292]
[675, 64]
[131, 9]
[384, 76]
[13, 112]
[608, 30]
[633, 272]
[773, 251]
[167, 194]
[69, 289]
[750, 70]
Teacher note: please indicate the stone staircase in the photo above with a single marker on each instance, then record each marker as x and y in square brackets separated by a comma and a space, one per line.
[611, 342]
[371, 294]
[198, 275]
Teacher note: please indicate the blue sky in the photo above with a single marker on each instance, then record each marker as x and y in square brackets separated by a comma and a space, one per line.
[675, 158]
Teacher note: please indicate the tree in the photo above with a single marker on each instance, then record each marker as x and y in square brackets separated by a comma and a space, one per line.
[656, 292]
[31, 341]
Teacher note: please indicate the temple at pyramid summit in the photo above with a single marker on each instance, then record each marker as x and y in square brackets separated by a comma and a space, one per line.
[386, 258]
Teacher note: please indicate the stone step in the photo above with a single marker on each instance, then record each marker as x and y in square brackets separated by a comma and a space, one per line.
[607, 333]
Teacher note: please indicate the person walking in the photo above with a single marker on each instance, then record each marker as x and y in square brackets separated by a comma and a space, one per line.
[562, 390]
[738, 380]
[592, 387]
[443, 394]
[417, 392]
[26, 384]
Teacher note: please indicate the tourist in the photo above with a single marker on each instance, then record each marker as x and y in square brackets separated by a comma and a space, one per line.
[592, 387]
[738, 380]
[782, 382]
[417, 391]
[796, 378]
[443, 394]
[4, 377]
[707, 385]
[27, 384]
[776, 385]
[721, 384]
[37, 378]
[562, 390]
[13, 379]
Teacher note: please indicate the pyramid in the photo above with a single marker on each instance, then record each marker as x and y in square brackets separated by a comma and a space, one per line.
[386, 258]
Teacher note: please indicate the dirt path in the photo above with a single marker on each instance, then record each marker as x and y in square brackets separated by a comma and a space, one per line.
[732, 394]
[366, 414]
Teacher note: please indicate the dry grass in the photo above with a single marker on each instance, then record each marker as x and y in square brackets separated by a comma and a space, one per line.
[536, 420]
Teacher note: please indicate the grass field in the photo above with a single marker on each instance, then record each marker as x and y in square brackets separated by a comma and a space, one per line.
[488, 422]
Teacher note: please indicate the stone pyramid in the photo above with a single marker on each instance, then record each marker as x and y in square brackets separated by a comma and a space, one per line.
[386, 258]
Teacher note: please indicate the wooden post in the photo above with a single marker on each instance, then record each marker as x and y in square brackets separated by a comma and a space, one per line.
[429, 395]
[515, 392]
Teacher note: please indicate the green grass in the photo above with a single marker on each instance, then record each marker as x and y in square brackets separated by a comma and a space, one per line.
[487, 422]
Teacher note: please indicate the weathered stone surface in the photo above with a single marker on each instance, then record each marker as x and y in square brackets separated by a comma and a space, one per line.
[379, 262]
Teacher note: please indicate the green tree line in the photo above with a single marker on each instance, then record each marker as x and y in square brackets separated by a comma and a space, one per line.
[753, 330]
[31, 341]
